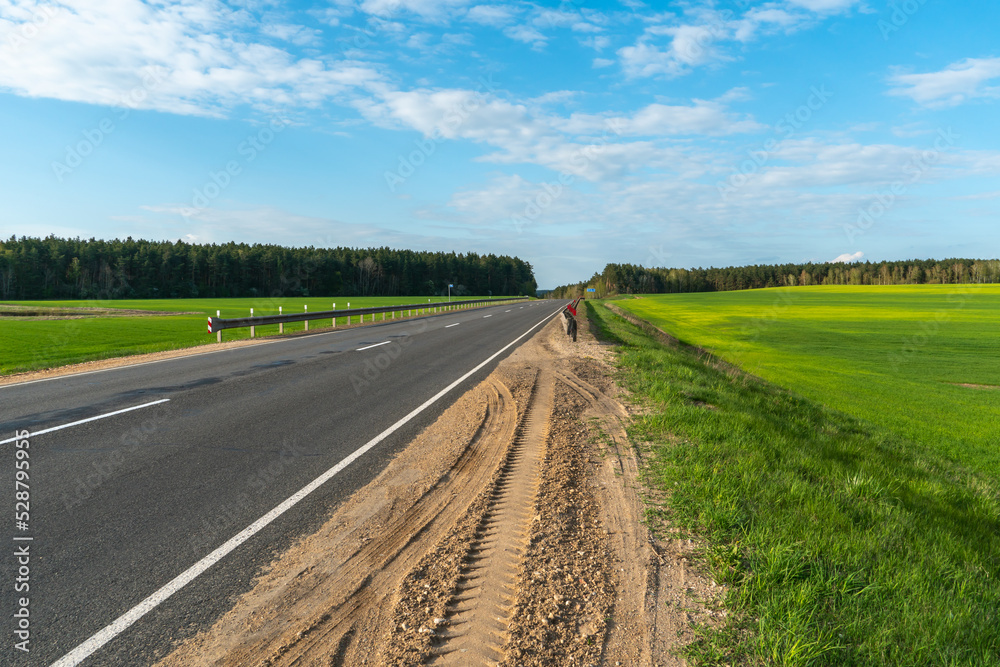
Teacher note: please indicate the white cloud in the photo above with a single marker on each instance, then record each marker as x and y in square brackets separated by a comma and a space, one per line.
[767, 19]
[702, 118]
[592, 146]
[187, 59]
[295, 34]
[848, 258]
[597, 42]
[553, 18]
[264, 224]
[825, 6]
[909, 130]
[957, 83]
[526, 34]
[428, 9]
[690, 46]
[700, 36]
[506, 196]
[979, 196]
[555, 97]
[492, 15]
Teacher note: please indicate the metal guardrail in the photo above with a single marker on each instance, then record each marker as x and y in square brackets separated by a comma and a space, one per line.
[217, 324]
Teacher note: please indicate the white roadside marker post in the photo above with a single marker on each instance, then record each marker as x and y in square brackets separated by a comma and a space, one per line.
[252, 327]
[281, 325]
[334, 318]
[307, 312]
[218, 334]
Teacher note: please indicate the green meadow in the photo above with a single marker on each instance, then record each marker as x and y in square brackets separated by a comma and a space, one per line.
[845, 488]
[32, 344]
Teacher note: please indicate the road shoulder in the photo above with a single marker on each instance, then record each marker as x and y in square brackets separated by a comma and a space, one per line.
[383, 582]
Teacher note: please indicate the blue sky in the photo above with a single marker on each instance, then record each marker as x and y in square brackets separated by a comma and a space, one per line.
[571, 133]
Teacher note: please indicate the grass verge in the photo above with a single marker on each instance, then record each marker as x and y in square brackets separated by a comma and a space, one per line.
[842, 543]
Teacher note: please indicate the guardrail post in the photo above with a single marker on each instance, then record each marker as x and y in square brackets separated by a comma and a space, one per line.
[307, 312]
[252, 327]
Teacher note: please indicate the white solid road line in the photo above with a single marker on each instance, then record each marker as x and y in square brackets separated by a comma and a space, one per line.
[123, 622]
[32, 434]
[362, 349]
[448, 326]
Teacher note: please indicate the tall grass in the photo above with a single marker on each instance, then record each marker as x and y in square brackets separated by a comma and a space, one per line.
[843, 542]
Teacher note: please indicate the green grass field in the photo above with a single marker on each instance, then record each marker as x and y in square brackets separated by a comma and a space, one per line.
[894, 356]
[851, 499]
[34, 344]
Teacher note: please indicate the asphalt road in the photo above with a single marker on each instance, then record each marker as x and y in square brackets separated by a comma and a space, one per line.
[121, 505]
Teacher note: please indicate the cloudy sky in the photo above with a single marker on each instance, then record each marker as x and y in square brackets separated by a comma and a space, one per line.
[570, 133]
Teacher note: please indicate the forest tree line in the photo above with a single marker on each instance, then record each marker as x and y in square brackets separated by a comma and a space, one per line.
[632, 279]
[57, 268]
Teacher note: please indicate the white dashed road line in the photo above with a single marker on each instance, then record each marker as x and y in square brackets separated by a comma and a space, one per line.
[88, 419]
[448, 326]
[362, 349]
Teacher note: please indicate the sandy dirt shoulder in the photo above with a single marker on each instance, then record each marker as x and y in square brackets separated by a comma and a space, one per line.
[391, 577]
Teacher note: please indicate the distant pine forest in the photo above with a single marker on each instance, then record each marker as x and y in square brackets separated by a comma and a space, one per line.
[58, 268]
[632, 279]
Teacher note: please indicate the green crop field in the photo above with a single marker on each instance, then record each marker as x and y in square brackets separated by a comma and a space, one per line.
[896, 356]
[32, 343]
[850, 498]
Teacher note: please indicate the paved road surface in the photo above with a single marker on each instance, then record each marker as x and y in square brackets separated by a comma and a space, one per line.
[122, 505]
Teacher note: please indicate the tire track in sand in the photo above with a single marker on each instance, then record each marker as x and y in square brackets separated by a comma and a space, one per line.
[480, 612]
